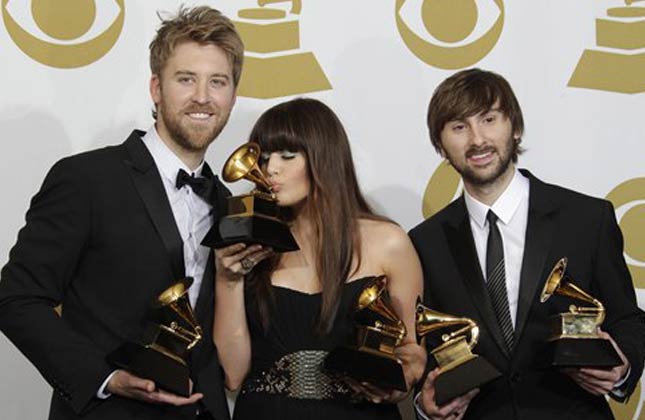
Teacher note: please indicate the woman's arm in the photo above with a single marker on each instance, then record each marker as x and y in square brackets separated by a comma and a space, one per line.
[405, 284]
[230, 329]
[386, 248]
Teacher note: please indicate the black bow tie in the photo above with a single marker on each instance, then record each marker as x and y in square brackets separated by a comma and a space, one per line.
[200, 185]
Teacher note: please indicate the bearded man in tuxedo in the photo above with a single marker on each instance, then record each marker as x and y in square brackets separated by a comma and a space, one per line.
[111, 229]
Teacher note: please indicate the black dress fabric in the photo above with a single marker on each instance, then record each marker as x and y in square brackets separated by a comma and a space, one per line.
[286, 380]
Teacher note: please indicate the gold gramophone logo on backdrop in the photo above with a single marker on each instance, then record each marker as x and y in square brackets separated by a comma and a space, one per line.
[455, 27]
[64, 33]
[442, 188]
[274, 65]
[629, 201]
[617, 64]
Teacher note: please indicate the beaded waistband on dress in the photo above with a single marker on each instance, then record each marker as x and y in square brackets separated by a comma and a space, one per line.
[299, 375]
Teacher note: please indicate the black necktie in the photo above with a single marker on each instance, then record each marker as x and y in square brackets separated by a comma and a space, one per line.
[496, 278]
[200, 185]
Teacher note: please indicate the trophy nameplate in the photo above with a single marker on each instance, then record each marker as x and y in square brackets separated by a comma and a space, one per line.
[162, 354]
[378, 331]
[574, 339]
[251, 218]
[460, 370]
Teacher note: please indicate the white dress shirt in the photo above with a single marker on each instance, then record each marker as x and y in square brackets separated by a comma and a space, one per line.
[192, 215]
[512, 209]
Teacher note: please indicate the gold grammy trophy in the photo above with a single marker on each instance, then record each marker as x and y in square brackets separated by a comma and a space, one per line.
[378, 331]
[574, 339]
[618, 64]
[459, 369]
[274, 65]
[251, 217]
[167, 341]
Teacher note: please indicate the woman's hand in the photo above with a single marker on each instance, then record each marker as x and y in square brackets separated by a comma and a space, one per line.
[414, 358]
[230, 329]
[233, 262]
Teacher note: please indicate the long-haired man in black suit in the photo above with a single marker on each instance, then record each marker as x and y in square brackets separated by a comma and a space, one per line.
[487, 255]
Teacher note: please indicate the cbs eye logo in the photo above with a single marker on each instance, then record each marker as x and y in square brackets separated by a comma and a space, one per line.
[629, 200]
[443, 187]
[64, 33]
[455, 33]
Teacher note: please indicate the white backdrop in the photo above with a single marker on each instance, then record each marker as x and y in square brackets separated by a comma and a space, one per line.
[379, 80]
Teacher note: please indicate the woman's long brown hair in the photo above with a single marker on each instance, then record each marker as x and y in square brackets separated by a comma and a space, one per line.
[335, 201]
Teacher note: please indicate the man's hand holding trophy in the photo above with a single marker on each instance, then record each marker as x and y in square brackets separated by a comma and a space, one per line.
[577, 345]
[575, 339]
[459, 369]
[170, 335]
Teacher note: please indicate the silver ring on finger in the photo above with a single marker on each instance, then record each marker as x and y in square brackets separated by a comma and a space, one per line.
[247, 264]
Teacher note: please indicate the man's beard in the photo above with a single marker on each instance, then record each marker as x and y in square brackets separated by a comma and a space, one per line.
[474, 177]
[189, 137]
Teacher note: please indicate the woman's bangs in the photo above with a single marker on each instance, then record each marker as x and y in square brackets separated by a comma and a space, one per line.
[277, 141]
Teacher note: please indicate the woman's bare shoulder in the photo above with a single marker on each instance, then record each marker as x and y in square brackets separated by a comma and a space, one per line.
[383, 235]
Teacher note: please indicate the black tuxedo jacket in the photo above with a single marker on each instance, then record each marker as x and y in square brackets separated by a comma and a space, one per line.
[100, 239]
[560, 223]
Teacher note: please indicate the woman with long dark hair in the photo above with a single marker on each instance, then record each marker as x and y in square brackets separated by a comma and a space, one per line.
[278, 315]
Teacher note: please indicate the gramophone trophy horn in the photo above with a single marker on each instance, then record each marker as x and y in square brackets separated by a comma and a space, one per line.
[175, 303]
[243, 164]
[379, 330]
[168, 339]
[253, 217]
[459, 369]
[574, 339]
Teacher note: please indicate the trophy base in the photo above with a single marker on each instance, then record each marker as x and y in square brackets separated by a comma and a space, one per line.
[582, 352]
[383, 371]
[251, 229]
[148, 363]
[457, 381]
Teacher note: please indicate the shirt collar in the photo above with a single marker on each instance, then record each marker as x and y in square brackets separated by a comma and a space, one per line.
[166, 160]
[505, 206]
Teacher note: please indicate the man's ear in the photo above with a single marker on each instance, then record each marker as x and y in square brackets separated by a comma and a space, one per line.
[155, 88]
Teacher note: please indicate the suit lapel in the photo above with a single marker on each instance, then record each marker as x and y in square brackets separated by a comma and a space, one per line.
[462, 246]
[539, 236]
[206, 297]
[148, 184]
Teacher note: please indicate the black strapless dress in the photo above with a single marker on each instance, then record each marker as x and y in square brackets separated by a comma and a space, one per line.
[286, 380]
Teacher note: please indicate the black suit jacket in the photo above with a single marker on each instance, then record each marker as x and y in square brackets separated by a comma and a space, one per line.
[560, 223]
[100, 239]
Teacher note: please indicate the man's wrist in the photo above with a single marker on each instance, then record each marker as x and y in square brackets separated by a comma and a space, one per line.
[417, 407]
[103, 393]
[618, 390]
